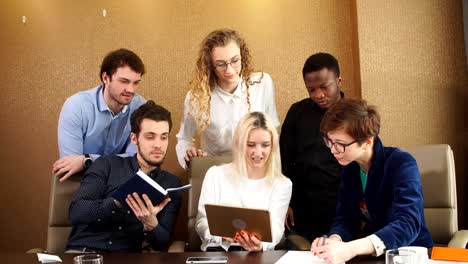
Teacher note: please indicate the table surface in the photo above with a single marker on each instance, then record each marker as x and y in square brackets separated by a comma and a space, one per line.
[164, 257]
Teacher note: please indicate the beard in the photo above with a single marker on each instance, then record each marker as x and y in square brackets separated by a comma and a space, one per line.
[119, 97]
[148, 160]
[123, 100]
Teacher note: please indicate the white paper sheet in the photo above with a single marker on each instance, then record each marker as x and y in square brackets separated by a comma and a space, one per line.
[298, 257]
[47, 258]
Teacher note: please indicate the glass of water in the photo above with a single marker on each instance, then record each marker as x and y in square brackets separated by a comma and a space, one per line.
[400, 256]
[89, 259]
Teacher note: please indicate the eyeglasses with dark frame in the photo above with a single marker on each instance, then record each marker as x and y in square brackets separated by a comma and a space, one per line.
[339, 147]
[222, 65]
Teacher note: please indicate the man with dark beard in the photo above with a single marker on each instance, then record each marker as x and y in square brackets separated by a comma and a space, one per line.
[100, 223]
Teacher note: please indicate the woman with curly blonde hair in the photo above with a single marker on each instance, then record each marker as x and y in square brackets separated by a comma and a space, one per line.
[224, 89]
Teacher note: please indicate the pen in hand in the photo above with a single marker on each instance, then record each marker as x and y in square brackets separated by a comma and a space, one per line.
[324, 239]
[318, 242]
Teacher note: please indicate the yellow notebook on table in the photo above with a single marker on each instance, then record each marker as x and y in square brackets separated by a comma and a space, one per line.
[453, 254]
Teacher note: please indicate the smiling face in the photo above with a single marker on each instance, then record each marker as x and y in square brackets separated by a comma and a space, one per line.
[152, 142]
[258, 148]
[120, 88]
[230, 55]
[323, 87]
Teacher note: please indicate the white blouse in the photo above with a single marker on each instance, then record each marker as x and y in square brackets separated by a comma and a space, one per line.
[218, 188]
[226, 111]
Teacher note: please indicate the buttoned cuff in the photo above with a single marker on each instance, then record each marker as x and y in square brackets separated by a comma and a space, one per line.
[158, 231]
[378, 244]
[158, 237]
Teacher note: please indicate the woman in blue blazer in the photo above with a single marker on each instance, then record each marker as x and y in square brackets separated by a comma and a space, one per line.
[380, 200]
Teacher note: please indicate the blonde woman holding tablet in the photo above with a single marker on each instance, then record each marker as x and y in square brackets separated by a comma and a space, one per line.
[252, 180]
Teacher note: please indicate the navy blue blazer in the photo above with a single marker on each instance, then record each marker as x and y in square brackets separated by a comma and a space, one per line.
[393, 197]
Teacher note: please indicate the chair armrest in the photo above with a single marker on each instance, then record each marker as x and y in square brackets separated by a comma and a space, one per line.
[36, 250]
[177, 246]
[459, 239]
[299, 242]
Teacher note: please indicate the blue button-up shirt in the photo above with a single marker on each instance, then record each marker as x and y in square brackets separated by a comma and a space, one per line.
[87, 126]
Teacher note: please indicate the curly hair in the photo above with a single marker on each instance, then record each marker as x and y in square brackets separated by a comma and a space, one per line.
[319, 61]
[205, 78]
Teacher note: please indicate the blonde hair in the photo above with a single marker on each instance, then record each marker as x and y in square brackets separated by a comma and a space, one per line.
[251, 121]
[205, 78]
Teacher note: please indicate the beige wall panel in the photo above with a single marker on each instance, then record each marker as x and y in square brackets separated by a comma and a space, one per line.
[58, 51]
[413, 68]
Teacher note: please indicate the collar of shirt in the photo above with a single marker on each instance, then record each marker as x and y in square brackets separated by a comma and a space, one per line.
[135, 167]
[102, 105]
[227, 97]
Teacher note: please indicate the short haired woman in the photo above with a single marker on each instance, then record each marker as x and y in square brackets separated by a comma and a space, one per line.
[380, 200]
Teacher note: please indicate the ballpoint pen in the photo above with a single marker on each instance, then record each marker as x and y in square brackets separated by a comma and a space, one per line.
[324, 239]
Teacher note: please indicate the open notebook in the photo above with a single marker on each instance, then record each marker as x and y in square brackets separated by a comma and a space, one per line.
[143, 184]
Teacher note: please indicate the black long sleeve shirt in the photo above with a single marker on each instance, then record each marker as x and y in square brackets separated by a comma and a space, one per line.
[312, 168]
[99, 224]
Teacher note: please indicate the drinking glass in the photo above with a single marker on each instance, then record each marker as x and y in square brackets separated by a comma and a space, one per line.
[88, 259]
[400, 256]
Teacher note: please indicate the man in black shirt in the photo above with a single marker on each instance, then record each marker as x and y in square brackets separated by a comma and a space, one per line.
[305, 159]
[102, 224]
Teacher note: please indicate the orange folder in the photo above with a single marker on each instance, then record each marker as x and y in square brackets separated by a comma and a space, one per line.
[453, 254]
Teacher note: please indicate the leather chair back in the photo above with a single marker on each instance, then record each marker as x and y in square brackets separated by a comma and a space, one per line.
[198, 168]
[61, 195]
[437, 168]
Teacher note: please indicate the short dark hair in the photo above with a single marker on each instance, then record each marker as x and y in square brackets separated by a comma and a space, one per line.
[320, 60]
[149, 110]
[120, 58]
[359, 120]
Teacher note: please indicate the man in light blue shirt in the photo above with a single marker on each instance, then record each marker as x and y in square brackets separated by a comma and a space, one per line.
[96, 122]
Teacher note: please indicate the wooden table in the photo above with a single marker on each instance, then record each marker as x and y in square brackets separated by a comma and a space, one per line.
[164, 257]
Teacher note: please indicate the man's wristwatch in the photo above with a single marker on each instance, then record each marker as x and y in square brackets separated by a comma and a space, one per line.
[87, 161]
